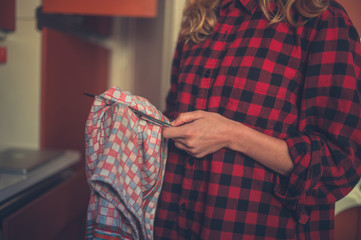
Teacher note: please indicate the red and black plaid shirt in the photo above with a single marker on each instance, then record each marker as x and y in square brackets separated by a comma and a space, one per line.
[300, 84]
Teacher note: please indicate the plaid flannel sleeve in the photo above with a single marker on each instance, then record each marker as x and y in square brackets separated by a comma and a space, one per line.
[327, 149]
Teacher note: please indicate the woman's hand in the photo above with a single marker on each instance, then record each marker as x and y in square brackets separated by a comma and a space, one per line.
[199, 133]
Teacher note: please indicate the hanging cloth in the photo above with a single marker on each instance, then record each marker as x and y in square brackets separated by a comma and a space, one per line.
[125, 162]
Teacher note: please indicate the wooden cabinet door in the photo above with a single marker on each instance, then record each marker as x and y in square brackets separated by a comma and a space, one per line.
[55, 215]
[131, 8]
[70, 66]
[7, 15]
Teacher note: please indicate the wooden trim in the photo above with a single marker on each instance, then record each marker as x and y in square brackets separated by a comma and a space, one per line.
[131, 8]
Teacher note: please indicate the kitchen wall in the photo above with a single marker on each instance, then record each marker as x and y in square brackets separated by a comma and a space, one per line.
[131, 62]
[20, 80]
[143, 50]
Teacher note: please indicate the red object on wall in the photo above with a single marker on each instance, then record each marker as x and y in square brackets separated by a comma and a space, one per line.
[2, 54]
[130, 8]
[7, 15]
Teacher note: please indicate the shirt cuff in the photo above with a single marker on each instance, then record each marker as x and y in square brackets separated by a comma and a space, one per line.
[292, 190]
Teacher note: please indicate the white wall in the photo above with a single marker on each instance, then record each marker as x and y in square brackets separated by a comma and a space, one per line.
[122, 54]
[173, 17]
[20, 80]
[143, 50]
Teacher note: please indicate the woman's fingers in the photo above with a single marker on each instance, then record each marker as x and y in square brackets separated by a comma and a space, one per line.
[187, 117]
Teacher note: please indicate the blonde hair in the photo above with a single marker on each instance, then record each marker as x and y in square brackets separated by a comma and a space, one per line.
[199, 17]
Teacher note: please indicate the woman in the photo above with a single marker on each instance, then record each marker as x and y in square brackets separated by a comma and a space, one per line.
[265, 97]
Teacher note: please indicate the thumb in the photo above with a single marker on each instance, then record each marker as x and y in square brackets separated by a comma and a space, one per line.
[186, 117]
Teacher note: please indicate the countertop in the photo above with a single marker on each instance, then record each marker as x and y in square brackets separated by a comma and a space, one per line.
[12, 184]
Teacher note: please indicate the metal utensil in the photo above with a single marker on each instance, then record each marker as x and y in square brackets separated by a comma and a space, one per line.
[139, 113]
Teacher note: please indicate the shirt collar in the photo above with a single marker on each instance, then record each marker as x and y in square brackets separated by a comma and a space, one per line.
[249, 5]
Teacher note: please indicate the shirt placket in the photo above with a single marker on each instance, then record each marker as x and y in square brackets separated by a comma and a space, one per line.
[183, 222]
[207, 77]
[211, 67]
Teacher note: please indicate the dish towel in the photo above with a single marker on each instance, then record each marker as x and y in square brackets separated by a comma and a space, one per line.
[125, 163]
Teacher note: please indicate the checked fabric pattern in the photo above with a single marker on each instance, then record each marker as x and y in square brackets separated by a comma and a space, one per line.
[300, 84]
[125, 162]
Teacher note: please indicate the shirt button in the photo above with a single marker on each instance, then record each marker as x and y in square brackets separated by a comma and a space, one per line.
[207, 74]
[183, 206]
[191, 161]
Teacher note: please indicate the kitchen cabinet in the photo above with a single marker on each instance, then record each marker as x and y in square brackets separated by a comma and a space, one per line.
[7, 15]
[55, 207]
[71, 65]
[53, 210]
[129, 8]
[41, 203]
